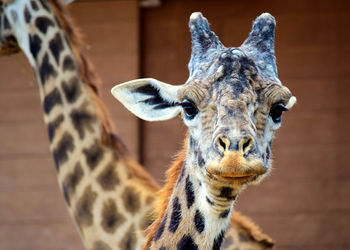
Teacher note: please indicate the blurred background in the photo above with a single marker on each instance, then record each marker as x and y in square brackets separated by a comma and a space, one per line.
[303, 204]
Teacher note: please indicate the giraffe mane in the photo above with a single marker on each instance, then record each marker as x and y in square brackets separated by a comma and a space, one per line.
[172, 175]
[109, 136]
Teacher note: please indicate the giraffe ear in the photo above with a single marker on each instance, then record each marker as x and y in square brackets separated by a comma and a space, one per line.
[149, 99]
[260, 46]
[202, 39]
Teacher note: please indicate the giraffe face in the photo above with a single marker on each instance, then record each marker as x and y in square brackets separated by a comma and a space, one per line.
[232, 114]
[232, 102]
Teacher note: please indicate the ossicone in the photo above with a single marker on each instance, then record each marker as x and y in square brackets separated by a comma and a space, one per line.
[203, 38]
[260, 46]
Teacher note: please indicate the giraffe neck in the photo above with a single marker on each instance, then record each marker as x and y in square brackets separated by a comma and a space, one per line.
[71, 107]
[197, 214]
[109, 197]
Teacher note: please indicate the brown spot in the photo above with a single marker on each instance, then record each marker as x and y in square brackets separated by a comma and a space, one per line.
[93, 155]
[160, 228]
[68, 62]
[190, 197]
[129, 240]
[226, 192]
[131, 200]
[71, 181]
[61, 152]
[99, 245]
[175, 215]
[27, 15]
[199, 221]
[52, 99]
[71, 89]
[83, 121]
[83, 213]
[56, 47]
[53, 125]
[111, 218]
[108, 178]
[43, 23]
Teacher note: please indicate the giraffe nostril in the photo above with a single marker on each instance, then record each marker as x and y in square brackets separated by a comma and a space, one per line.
[222, 143]
[246, 143]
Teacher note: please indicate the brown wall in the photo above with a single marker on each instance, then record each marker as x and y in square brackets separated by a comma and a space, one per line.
[305, 202]
[33, 214]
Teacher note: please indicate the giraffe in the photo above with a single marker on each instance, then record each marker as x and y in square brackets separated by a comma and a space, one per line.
[109, 196]
[232, 104]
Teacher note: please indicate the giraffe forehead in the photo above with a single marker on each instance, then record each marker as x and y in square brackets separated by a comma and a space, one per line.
[218, 63]
[229, 66]
[223, 75]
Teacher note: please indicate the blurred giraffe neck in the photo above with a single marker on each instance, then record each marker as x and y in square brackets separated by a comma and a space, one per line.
[109, 196]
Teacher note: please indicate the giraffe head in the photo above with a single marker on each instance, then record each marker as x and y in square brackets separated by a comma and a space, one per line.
[231, 103]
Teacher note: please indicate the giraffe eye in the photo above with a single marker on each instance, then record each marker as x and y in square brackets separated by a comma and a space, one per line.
[190, 109]
[276, 112]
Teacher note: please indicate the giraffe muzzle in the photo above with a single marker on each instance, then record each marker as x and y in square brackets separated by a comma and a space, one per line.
[234, 167]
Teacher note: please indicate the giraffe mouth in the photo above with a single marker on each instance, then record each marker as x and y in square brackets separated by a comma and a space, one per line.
[239, 178]
[234, 168]
[233, 178]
